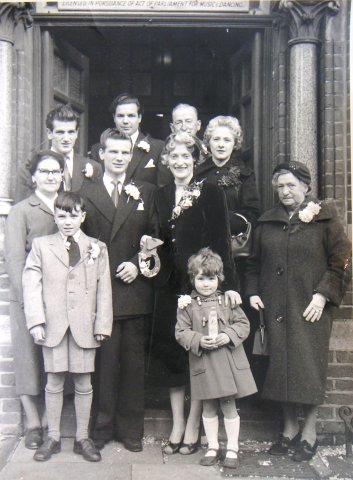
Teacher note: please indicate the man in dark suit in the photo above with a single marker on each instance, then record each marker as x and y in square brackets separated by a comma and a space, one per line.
[145, 164]
[119, 213]
[62, 130]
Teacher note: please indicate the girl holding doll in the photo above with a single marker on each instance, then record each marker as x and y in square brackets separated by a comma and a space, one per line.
[213, 334]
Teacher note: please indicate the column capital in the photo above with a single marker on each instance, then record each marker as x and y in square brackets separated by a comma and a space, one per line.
[304, 18]
[11, 14]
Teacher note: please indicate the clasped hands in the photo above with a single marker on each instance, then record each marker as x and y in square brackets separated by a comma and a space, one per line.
[38, 334]
[211, 343]
[312, 313]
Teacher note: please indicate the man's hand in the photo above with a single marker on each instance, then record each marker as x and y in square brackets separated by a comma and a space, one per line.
[315, 308]
[207, 343]
[99, 337]
[38, 334]
[256, 302]
[127, 272]
[232, 297]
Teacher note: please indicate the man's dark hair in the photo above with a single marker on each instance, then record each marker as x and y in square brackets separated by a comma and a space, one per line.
[64, 113]
[123, 99]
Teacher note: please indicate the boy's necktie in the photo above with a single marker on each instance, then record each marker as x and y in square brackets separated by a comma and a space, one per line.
[74, 252]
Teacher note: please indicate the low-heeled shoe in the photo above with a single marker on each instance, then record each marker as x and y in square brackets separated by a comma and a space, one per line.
[304, 451]
[174, 447]
[209, 460]
[34, 438]
[87, 449]
[49, 447]
[229, 462]
[132, 444]
[189, 448]
[284, 444]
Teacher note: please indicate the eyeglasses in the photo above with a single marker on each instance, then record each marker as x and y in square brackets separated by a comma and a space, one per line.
[55, 173]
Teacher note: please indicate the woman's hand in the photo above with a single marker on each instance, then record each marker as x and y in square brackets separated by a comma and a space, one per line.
[233, 297]
[256, 302]
[221, 339]
[315, 308]
[208, 343]
[38, 334]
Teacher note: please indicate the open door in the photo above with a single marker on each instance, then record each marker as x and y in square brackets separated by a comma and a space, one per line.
[245, 103]
[65, 80]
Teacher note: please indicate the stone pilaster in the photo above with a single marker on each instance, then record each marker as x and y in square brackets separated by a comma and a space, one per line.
[304, 20]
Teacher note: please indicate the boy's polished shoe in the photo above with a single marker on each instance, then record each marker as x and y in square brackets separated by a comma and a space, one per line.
[132, 444]
[87, 449]
[34, 438]
[304, 451]
[284, 444]
[209, 460]
[45, 452]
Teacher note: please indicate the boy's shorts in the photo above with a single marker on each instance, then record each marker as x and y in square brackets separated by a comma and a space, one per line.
[68, 357]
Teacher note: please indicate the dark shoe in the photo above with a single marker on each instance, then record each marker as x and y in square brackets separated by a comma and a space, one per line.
[209, 460]
[100, 443]
[132, 444]
[87, 449]
[189, 448]
[34, 438]
[304, 451]
[228, 462]
[45, 452]
[170, 448]
[284, 444]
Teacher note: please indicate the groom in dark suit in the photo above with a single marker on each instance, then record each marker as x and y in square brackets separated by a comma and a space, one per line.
[119, 213]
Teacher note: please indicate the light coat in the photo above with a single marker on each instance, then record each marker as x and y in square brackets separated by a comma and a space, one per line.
[58, 296]
[291, 261]
[224, 371]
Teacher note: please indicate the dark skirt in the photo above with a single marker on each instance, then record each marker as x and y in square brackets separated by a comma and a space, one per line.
[169, 358]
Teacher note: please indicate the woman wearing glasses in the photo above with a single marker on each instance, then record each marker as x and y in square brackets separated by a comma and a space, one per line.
[31, 218]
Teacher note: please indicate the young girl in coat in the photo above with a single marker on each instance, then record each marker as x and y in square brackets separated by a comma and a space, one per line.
[219, 369]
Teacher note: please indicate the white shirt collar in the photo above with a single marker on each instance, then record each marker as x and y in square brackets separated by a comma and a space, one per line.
[69, 160]
[76, 236]
[134, 137]
[49, 202]
[109, 181]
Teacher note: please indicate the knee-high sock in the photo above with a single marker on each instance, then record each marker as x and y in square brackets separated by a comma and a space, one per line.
[83, 402]
[211, 430]
[232, 426]
[54, 405]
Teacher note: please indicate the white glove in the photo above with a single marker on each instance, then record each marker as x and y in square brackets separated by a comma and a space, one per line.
[315, 308]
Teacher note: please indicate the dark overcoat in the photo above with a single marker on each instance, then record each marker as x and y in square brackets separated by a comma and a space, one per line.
[291, 261]
[204, 224]
[121, 230]
[224, 371]
[241, 191]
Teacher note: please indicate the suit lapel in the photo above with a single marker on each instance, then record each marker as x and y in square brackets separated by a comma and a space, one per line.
[37, 202]
[137, 156]
[125, 207]
[99, 197]
[57, 246]
[77, 175]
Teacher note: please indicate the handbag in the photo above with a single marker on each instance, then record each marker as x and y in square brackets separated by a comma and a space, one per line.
[260, 346]
[241, 244]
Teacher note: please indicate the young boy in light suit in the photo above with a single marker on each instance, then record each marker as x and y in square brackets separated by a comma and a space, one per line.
[68, 308]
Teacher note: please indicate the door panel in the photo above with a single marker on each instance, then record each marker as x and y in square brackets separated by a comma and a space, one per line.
[65, 80]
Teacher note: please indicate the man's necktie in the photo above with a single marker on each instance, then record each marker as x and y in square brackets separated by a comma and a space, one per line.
[74, 252]
[67, 177]
[116, 192]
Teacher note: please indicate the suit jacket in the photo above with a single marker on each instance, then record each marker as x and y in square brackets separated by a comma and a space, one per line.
[60, 297]
[25, 184]
[27, 220]
[145, 166]
[121, 229]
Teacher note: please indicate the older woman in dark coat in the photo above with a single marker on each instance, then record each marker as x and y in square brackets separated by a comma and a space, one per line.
[191, 215]
[297, 274]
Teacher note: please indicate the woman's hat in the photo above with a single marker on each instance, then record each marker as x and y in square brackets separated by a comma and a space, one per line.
[298, 169]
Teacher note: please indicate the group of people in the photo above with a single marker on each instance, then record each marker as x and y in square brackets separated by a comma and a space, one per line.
[73, 250]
